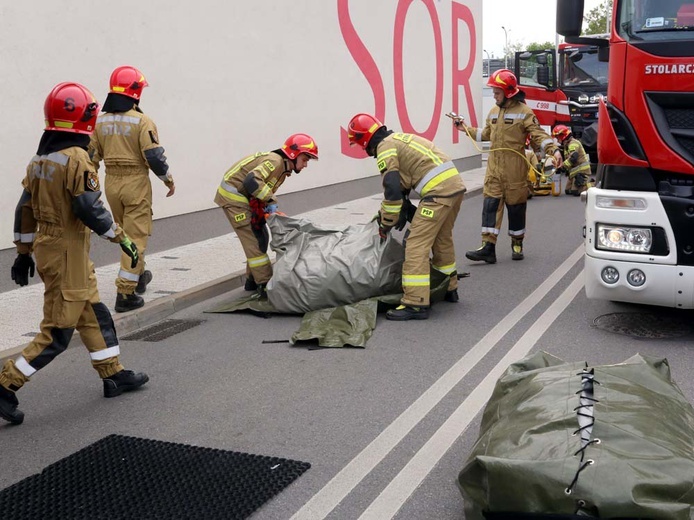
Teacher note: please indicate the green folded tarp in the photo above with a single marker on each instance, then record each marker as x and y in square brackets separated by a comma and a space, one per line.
[611, 441]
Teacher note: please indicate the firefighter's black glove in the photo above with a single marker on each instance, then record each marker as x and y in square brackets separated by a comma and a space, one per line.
[22, 269]
[406, 214]
[130, 249]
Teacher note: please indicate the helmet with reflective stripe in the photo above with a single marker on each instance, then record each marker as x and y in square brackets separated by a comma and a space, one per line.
[561, 133]
[128, 81]
[505, 80]
[361, 129]
[300, 143]
[71, 107]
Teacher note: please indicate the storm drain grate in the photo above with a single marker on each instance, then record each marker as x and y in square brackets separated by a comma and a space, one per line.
[120, 477]
[163, 330]
[644, 325]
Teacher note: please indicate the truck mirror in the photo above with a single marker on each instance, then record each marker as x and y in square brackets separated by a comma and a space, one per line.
[525, 55]
[542, 59]
[569, 17]
[543, 76]
[603, 54]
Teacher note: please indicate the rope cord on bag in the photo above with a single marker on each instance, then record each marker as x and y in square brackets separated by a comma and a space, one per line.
[586, 420]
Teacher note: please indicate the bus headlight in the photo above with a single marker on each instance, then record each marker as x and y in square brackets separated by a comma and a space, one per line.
[628, 239]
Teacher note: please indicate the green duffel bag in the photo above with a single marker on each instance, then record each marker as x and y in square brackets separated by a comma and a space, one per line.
[569, 440]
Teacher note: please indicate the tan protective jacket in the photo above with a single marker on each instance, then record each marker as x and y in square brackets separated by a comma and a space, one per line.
[423, 168]
[508, 127]
[268, 170]
[575, 158]
[124, 140]
[53, 182]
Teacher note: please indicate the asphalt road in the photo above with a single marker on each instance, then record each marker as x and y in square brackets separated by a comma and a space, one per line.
[387, 428]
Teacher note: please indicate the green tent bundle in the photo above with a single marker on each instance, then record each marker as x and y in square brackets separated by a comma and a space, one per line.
[569, 440]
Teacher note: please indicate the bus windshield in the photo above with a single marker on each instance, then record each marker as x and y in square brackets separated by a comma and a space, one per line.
[582, 68]
[653, 20]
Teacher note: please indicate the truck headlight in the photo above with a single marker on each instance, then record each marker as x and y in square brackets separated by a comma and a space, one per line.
[620, 238]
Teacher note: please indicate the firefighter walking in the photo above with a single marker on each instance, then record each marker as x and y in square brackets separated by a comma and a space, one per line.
[576, 163]
[508, 125]
[408, 162]
[59, 205]
[247, 195]
[127, 141]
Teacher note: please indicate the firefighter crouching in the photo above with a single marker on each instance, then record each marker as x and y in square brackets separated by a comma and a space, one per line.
[247, 194]
[508, 125]
[59, 205]
[576, 162]
[127, 141]
[409, 162]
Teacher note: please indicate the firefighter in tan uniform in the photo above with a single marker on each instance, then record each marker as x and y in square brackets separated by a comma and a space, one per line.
[509, 123]
[576, 163]
[127, 141]
[60, 204]
[408, 162]
[247, 195]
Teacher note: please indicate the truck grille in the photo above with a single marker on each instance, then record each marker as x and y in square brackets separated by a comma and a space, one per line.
[674, 117]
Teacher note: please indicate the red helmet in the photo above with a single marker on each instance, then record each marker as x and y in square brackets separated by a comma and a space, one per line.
[128, 81]
[300, 143]
[505, 80]
[561, 132]
[361, 129]
[70, 107]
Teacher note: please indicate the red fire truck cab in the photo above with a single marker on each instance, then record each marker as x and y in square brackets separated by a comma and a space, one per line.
[564, 86]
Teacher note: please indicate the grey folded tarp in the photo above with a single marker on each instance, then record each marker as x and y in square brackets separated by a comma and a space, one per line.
[318, 267]
[613, 441]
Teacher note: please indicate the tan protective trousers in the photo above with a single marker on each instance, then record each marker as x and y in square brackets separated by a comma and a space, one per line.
[254, 243]
[61, 263]
[431, 234]
[130, 198]
[510, 190]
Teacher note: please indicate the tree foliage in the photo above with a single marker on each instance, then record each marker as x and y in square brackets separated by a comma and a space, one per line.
[536, 46]
[596, 21]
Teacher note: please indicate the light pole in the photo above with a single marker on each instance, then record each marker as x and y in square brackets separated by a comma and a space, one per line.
[485, 51]
[505, 47]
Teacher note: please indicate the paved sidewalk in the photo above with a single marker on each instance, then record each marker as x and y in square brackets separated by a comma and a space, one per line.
[183, 276]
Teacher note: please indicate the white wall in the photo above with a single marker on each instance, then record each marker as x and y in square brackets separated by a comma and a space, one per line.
[229, 78]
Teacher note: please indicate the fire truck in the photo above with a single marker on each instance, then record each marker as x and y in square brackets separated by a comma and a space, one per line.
[564, 86]
[639, 219]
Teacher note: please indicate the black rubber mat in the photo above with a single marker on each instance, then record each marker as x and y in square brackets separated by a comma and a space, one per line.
[124, 478]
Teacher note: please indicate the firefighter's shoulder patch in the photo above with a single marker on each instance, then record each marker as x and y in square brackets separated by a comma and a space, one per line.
[91, 181]
[240, 217]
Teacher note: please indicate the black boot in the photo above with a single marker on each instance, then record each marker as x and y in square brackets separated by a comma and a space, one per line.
[250, 284]
[452, 296]
[123, 381]
[143, 282]
[486, 253]
[128, 302]
[261, 289]
[406, 312]
[516, 249]
[8, 406]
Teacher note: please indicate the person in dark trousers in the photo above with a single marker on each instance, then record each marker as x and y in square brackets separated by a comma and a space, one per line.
[508, 126]
[59, 207]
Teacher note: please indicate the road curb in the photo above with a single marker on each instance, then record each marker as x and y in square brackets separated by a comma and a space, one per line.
[158, 309]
